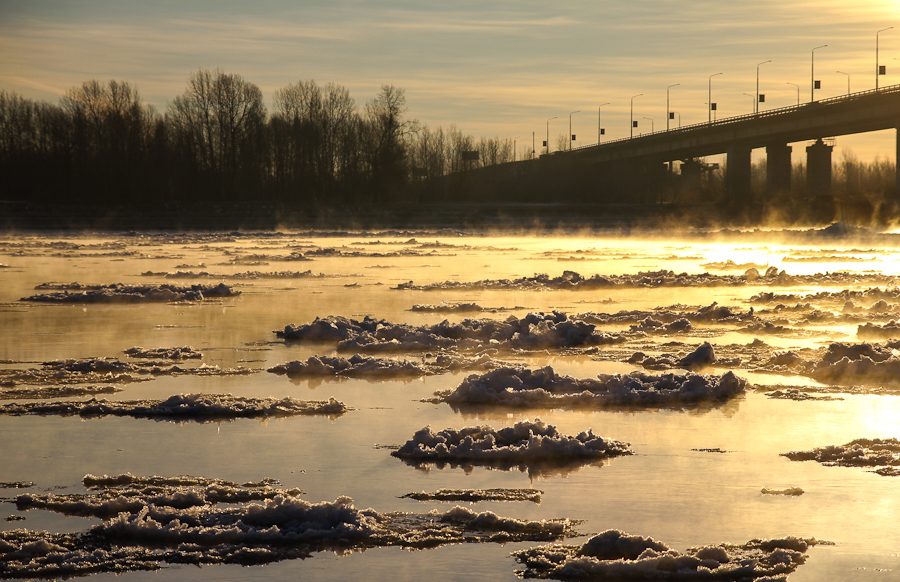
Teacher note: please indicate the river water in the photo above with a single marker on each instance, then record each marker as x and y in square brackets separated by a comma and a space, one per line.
[666, 490]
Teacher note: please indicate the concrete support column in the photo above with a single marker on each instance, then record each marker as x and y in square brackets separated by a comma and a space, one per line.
[737, 174]
[818, 169]
[778, 169]
[818, 180]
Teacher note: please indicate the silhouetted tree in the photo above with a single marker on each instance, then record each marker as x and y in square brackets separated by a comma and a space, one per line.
[219, 124]
[386, 143]
[109, 131]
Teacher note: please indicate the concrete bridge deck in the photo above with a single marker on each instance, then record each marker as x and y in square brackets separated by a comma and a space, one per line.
[855, 113]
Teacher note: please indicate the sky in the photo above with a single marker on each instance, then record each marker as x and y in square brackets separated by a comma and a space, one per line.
[492, 68]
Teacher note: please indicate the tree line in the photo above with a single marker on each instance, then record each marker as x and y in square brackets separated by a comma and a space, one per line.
[218, 141]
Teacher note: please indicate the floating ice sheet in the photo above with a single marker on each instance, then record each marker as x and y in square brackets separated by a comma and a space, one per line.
[181, 407]
[103, 370]
[522, 387]
[375, 368]
[652, 279]
[474, 495]
[154, 521]
[615, 555]
[119, 293]
[533, 331]
[881, 455]
[522, 445]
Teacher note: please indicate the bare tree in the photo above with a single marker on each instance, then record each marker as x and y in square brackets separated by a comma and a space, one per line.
[219, 121]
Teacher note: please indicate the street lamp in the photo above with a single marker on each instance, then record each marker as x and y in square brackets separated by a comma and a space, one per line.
[848, 80]
[668, 110]
[599, 128]
[570, 128]
[796, 86]
[548, 133]
[652, 129]
[709, 102]
[877, 61]
[756, 99]
[633, 97]
[753, 102]
[812, 75]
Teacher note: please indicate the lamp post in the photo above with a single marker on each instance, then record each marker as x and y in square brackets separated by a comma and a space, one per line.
[514, 147]
[668, 110]
[548, 133]
[796, 86]
[599, 128]
[570, 128]
[709, 103]
[848, 80]
[877, 60]
[652, 129]
[756, 99]
[753, 102]
[812, 75]
[631, 129]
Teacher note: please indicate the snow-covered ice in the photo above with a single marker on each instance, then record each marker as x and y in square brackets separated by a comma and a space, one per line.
[120, 293]
[181, 407]
[881, 455]
[616, 555]
[475, 495]
[533, 331]
[522, 387]
[150, 522]
[520, 445]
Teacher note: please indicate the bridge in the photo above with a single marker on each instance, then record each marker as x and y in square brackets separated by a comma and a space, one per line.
[627, 165]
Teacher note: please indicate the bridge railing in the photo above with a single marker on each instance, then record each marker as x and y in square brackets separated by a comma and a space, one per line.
[741, 118]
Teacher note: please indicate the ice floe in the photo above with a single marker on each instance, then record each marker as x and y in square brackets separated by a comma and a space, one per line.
[655, 326]
[105, 370]
[651, 279]
[448, 308]
[650, 320]
[857, 364]
[889, 330]
[375, 368]
[789, 491]
[616, 555]
[174, 353]
[883, 455]
[522, 445]
[354, 367]
[475, 495]
[798, 395]
[245, 275]
[16, 484]
[187, 407]
[533, 331]
[120, 293]
[114, 494]
[155, 521]
[522, 387]
[702, 357]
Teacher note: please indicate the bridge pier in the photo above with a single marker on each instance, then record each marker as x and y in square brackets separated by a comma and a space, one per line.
[737, 174]
[818, 169]
[818, 179]
[778, 169]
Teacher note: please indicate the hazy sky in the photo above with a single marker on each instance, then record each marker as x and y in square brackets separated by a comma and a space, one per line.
[490, 67]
